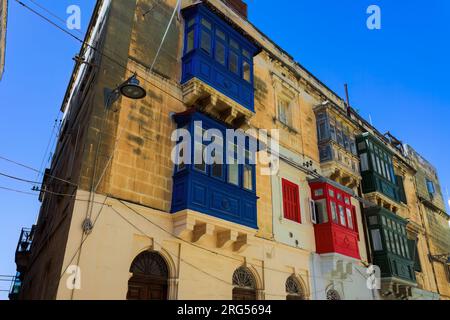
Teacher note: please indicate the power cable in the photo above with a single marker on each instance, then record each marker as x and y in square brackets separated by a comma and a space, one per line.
[197, 246]
[35, 170]
[53, 14]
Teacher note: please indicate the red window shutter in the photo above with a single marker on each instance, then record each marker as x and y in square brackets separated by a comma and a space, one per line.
[291, 201]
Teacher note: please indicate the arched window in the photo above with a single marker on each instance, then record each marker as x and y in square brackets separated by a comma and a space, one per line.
[333, 295]
[294, 289]
[244, 285]
[150, 277]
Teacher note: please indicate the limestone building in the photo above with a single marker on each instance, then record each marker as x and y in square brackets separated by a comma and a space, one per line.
[125, 216]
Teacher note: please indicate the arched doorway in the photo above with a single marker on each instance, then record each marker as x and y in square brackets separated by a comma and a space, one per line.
[244, 285]
[150, 277]
[294, 290]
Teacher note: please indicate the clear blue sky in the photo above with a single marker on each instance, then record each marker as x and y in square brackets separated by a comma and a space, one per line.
[398, 75]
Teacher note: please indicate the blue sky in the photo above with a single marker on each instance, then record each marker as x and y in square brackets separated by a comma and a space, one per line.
[398, 75]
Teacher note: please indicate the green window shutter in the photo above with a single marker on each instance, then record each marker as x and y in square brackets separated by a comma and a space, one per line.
[412, 245]
[401, 189]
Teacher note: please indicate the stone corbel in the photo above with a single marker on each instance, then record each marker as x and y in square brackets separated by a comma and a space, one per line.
[229, 115]
[201, 231]
[241, 243]
[183, 228]
[226, 238]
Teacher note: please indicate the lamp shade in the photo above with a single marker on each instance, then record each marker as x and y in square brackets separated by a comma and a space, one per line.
[132, 89]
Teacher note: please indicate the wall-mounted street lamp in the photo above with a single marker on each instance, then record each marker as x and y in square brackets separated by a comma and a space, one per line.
[130, 88]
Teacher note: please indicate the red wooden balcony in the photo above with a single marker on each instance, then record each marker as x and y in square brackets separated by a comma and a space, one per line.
[336, 228]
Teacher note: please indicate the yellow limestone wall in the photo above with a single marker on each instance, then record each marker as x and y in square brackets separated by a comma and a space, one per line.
[120, 234]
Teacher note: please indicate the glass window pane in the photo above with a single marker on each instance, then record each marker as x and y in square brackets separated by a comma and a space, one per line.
[191, 22]
[321, 211]
[318, 192]
[220, 35]
[349, 218]
[199, 157]
[234, 62]
[234, 44]
[233, 174]
[220, 52]
[206, 42]
[331, 192]
[376, 240]
[246, 71]
[388, 243]
[342, 216]
[190, 41]
[334, 212]
[373, 220]
[206, 24]
[364, 162]
[248, 177]
[217, 170]
[406, 248]
[246, 54]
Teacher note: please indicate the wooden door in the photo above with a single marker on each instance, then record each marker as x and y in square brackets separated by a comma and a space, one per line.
[140, 288]
[244, 294]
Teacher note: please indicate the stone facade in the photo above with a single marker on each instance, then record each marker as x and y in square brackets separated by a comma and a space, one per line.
[116, 155]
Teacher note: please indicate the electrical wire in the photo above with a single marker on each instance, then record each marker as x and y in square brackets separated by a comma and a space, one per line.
[200, 247]
[46, 191]
[35, 170]
[18, 179]
[203, 271]
[53, 14]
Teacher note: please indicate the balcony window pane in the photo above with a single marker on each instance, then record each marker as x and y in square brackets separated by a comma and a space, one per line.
[349, 218]
[248, 177]
[342, 216]
[190, 41]
[402, 246]
[373, 220]
[331, 192]
[191, 22]
[397, 245]
[233, 174]
[318, 192]
[334, 212]
[376, 240]
[388, 243]
[220, 35]
[321, 211]
[406, 248]
[206, 42]
[220, 52]
[206, 24]
[364, 162]
[200, 163]
[234, 44]
[374, 163]
[246, 71]
[246, 54]
[332, 129]
[234, 62]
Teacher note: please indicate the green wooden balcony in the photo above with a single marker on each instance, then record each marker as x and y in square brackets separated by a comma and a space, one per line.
[392, 251]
